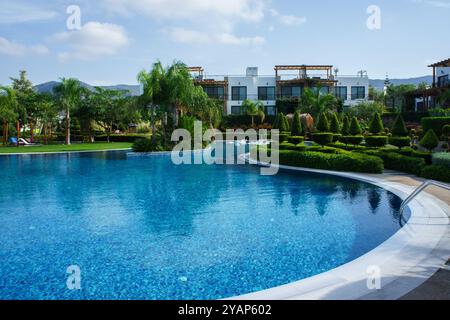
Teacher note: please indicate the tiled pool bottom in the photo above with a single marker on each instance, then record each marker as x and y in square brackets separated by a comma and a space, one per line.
[142, 228]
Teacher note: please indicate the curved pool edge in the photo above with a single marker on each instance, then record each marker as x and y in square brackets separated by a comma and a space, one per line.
[61, 152]
[405, 260]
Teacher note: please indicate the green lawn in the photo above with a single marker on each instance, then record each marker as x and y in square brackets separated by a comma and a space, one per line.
[63, 148]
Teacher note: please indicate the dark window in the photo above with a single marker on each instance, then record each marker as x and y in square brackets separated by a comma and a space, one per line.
[235, 110]
[238, 93]
[271, 110]
[291, 92]
[443, 81]
[215, 92]
[340, 93]
[358, 93]
[266, 93]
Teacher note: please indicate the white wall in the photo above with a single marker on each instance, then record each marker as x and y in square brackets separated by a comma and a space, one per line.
[252, 84]
[350, 82]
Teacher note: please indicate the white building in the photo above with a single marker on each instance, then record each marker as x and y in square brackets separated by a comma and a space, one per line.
[284, 85]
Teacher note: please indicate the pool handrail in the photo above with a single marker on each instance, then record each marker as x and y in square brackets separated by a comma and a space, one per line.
[416, 192]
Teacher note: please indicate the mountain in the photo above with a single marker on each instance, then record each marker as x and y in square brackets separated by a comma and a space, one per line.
[48, 87]
[379, 84]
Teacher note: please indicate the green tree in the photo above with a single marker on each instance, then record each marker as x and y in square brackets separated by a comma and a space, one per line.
[26, 100]
[253, 109]
[399, 128]
[315, 103]
[297, 129]
[334, 124]
[355, 128]
[376, 125]
[47, 114]
[68, 95]
[430, 140]
[396, 95]
[323, 125]
[8, 110]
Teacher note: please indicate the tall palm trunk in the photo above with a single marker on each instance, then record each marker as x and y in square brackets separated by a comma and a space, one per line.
[6, 132]
[67, 127]
[152, 120]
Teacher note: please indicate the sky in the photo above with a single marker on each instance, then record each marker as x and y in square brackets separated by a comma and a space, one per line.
[110, 41]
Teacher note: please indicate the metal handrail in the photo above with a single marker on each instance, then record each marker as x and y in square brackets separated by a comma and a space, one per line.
[416, 192]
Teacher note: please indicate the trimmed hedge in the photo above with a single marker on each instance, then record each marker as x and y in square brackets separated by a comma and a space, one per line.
[435, 123]
[441, 159]
[284, 137]
[376, 141]
[395, 161]
[400, 142]
[146, 145]
[296, 139]
[337, 137]
[322, 138]
[354, 140]
[122, 138]
[430, 140]
[435, 172]
[337, 162]
[287, 146]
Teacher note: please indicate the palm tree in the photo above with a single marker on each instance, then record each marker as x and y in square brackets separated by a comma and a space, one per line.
[253, 109]
[47, 114]
[8, 110]
[68, 95]
[152, 83]
[315, 103]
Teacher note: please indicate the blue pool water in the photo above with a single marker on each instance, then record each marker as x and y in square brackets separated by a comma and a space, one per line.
[142, 228]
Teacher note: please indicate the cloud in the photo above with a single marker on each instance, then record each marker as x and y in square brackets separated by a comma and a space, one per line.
[11, 48]
[13, 12]
[248, 10]
[288, 20]
[92, 41]
[187, 36]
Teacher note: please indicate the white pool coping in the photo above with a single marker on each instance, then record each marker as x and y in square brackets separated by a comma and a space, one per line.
[406, 260]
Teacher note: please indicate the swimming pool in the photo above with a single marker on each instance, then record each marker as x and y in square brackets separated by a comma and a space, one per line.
[143, 228]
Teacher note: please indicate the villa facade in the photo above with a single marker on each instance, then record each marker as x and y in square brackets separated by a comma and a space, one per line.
[287, 84]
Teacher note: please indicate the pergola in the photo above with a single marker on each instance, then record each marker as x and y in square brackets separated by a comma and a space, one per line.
[302, 69]
[443, 63]
[198, 70]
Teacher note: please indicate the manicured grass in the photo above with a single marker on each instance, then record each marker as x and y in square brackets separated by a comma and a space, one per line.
[72, 148]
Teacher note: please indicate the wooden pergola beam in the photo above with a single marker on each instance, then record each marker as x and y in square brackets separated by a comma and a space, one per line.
[303, 67]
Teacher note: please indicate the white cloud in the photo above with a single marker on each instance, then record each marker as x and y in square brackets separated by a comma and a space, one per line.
[93, 40]
[249, 10]
[13, 12]
[17, 49]
[182, 35]
[288, 20]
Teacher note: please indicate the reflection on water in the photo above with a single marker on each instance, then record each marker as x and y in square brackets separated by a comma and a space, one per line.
[138, 225]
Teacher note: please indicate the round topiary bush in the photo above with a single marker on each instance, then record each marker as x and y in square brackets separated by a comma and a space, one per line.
[322, 138]
[446, 130]
[296, 139]
[430, 140]
[400, 142]
[376, 141]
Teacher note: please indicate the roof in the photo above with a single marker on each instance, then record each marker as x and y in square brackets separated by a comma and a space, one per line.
[303, 67]
[443, 63]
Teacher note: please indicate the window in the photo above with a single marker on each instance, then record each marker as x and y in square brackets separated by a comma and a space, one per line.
[443, 81]
[358, 93]
[235, 110]
[271, 110]
[238, 93]
[340, 93]
[291, 92]
[266, 93]
[215, 92]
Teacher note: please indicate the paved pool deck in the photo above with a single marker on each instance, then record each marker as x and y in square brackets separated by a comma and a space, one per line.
[437, 287]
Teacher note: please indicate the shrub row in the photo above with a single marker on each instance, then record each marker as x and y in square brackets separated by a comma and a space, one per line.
[376, 141]
[400, 142]
[436, 172]
[337, 162]
[435, 123]
[396, 161]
